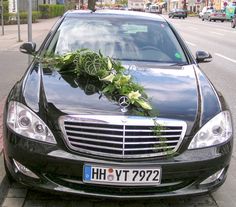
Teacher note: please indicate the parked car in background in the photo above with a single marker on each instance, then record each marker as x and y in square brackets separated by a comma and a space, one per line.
[214, 15]
[153, 8]
[136, 5]
[205, 8]
[71, 124]
[179, 13]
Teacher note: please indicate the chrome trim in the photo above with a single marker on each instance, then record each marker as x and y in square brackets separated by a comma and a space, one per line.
[123, 143]
[159, 185]
[121, 125]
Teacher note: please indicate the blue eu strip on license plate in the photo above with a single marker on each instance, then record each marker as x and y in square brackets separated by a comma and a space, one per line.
[87, 172]
[121, 176]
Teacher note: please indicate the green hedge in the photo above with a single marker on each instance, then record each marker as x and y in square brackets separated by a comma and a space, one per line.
[11, 18]
[51, 10]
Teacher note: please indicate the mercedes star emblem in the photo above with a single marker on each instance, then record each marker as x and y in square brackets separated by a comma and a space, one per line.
[124, 103]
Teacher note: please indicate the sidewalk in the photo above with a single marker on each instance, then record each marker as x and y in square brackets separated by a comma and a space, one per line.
[39, 31]
[9, 42]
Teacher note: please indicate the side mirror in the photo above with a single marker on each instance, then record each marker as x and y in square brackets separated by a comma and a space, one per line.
[203, 57]
[28, 48]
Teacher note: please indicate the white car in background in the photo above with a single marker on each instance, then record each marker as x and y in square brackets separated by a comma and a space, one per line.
[203, 11]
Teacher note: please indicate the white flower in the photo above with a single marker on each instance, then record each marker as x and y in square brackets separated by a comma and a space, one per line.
[144, 104]
[133, 96]
[109, 64]
[108, 78]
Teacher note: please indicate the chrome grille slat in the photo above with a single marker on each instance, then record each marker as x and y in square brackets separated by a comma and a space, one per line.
[157, 142]
[95, 146]
[94, 140]
[122, 136]
[146, 137]
[94, 134]
[133, 130]
[93, 128]
[117, 130]
[149, 148]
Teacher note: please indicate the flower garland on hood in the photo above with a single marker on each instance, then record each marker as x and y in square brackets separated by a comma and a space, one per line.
[110, 73]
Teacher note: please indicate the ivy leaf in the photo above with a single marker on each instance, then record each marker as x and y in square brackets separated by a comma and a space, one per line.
[67, 57]
[109, 89]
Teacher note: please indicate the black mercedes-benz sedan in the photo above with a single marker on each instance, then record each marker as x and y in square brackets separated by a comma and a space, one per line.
[114, 105]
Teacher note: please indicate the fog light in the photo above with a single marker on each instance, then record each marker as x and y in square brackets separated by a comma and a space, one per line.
[213, 177]
[21, 168]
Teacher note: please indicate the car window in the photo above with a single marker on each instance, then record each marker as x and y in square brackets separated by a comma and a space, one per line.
[210, 10]
[126, 39]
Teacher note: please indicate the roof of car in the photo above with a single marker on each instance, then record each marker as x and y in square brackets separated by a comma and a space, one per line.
[121, 13]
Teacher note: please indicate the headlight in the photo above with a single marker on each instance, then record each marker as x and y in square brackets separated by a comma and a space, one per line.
[25, 122]
[216, 131]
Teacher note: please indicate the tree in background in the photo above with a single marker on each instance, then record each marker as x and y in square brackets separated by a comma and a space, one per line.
[122, 2]
[91, 4]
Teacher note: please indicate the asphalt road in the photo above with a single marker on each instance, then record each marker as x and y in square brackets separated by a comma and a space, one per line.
[217, 38]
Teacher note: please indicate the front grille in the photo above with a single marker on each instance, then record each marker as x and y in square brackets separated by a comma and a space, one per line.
[122, 136]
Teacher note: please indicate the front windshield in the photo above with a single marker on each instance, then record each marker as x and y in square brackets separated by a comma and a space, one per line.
[119, 38]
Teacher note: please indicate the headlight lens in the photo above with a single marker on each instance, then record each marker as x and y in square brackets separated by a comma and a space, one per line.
[25, 122]
[216, 131]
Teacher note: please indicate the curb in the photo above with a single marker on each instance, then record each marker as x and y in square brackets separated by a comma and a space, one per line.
[4, 183]
[2, 103]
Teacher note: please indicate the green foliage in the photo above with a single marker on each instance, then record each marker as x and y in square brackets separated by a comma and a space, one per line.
[11, 18]
[162, 146]
[69, 6]
[91, 4]
[5, 7]
[111, 76]
[122, 2]
[51, 10]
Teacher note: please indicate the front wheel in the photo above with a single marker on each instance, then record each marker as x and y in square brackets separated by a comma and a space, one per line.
[222, 20]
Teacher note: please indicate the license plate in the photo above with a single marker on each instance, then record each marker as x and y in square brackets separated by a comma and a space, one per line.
[121, 176]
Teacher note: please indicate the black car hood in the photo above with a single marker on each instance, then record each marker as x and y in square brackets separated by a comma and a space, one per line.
[172, 93]
[178, 93]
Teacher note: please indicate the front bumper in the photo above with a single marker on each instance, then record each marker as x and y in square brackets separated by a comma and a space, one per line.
[217, 18]
[60, 170]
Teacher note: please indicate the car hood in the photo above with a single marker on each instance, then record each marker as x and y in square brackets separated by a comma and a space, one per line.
[174, 93]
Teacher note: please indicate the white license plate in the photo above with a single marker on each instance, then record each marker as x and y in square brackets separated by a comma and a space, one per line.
[121, 175]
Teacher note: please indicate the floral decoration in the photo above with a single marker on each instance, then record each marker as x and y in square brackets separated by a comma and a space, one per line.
[110, 73]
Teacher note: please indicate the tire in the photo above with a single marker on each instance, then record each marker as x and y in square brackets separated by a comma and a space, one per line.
[222, 20]
[202, 19]
[214, 20]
